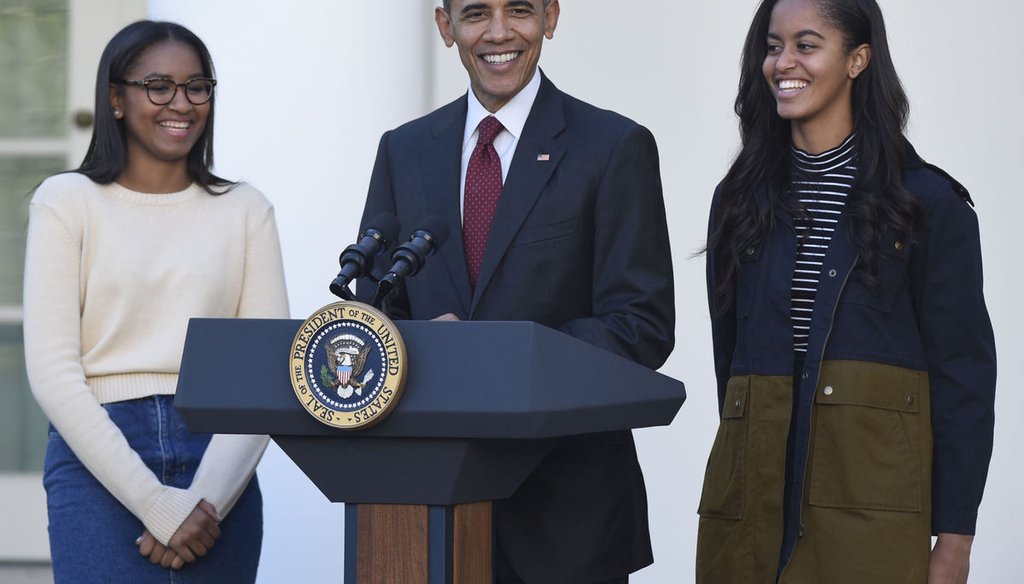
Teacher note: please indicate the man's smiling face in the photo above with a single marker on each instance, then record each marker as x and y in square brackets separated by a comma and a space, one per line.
[499, 43]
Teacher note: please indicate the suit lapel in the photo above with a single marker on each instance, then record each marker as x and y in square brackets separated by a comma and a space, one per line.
[441, 165]
[526, 178]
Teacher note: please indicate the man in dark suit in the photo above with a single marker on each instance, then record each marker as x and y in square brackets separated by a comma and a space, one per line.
[574, 237]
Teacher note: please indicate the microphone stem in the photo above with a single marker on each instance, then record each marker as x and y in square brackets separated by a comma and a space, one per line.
[345, 293]
[384, 289]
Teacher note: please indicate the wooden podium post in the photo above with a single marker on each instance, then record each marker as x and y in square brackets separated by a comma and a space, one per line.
[441, 544]
[472, 543]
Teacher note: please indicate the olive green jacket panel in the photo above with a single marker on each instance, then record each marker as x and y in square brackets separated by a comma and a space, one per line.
[741, 504]
[866, 512]
[866, 507]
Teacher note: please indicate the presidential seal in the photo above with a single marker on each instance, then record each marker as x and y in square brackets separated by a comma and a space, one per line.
[347, 365]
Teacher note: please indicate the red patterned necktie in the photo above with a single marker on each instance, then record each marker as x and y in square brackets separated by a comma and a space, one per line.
[483, 187]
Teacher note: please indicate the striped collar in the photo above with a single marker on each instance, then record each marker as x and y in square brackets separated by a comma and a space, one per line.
[829, 160]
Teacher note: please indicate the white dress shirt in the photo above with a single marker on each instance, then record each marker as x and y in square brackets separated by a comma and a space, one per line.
[512, 116]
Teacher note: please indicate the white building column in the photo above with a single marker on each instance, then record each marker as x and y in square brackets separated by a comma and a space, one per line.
[305, 89]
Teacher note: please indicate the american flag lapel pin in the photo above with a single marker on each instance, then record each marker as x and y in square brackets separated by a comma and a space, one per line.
[543, 157]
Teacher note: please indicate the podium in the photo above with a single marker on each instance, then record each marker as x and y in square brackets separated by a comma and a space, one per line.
[483, 404]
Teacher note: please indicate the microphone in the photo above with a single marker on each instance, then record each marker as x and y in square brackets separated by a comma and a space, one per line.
[408, 258]
[357, 259]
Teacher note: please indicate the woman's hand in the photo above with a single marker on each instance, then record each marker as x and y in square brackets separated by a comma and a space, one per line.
[951, 559]
[157, 552]
[197, 533]
[193, 539]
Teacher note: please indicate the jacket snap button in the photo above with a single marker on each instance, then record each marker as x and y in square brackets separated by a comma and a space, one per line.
[828, 390]
[910, 400]
[803, 375]
[738, 404]
[750, 251]
[832, 273]
[899, 245]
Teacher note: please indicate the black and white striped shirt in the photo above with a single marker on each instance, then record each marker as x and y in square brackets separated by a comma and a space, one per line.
[821, 182]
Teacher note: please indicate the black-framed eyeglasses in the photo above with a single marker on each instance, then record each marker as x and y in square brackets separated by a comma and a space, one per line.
[161, 91]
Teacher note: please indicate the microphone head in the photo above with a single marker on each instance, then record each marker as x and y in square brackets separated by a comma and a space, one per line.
[356, 260]
[436, 228]
[408, 258]
[387, 225]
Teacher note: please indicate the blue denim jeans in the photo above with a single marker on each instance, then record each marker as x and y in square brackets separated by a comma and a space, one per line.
[92, 536]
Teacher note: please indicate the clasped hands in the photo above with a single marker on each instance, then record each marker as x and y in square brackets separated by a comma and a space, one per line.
[193, 539]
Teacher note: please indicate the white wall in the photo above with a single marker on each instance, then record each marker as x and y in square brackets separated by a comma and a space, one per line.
[360, 68]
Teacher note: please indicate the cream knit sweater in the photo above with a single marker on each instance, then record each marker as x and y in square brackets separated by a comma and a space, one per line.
[111, 278]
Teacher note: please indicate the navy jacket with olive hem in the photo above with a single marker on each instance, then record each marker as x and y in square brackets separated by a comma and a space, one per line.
[929, 316]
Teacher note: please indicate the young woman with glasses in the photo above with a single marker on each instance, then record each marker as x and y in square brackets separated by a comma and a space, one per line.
[853, 350]
[121, 253]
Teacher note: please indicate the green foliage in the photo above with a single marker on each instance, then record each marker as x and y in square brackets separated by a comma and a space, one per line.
[326, 379]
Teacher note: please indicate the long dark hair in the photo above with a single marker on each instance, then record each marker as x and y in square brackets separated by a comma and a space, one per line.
[757, 182]
[106, 156]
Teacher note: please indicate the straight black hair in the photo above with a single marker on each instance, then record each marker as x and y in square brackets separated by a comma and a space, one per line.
[107, 153]
[756, 184]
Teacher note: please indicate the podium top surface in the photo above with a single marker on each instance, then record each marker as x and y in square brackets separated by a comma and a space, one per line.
[467, 379]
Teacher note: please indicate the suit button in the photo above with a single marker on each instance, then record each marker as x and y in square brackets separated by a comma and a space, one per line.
[910, 400]
[738, 404]
[828, 390]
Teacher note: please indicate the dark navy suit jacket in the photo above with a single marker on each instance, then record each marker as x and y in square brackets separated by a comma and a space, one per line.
[579, 243]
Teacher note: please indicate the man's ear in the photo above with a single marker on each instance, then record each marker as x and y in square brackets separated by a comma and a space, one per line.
[551, 19]
[444, 26]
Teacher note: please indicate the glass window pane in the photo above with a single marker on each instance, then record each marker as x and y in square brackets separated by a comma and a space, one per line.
[22, 424]
[33, 63]
[18, 176]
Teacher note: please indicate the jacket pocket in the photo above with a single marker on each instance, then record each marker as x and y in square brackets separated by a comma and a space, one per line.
[866, 447]
[892, 264]
[722, 495]
[559, 229]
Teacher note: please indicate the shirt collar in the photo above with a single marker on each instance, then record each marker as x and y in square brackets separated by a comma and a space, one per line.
[512, 115]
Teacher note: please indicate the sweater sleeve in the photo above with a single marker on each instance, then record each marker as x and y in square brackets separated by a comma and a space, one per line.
[52, 304]
[263, 289]
[230, 460]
